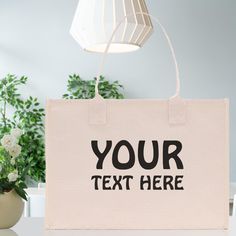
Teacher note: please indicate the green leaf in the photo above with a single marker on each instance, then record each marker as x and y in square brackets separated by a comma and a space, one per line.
[21, 192]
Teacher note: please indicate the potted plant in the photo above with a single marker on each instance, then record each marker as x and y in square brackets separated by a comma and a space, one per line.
[85, 89]
[28, 115]
[12, 179]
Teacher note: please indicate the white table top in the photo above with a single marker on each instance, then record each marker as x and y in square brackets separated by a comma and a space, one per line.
[35, 227]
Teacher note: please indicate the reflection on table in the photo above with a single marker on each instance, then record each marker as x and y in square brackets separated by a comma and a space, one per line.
[35, 227]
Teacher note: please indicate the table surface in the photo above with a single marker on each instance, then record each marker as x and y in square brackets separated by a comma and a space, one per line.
[35, 227]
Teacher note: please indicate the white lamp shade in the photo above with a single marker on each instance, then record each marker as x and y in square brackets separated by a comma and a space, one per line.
[95, 20]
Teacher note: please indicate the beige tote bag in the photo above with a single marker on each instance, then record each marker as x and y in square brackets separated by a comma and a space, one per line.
[137, 163]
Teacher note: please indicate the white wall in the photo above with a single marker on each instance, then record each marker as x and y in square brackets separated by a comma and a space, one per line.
[34, 41]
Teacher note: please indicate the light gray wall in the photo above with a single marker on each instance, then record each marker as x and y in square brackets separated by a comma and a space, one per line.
[34, 41]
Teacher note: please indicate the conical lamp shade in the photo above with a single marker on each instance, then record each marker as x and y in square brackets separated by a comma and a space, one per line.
[95, 20]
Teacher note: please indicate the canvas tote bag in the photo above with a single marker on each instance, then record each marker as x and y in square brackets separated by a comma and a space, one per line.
[137, 163]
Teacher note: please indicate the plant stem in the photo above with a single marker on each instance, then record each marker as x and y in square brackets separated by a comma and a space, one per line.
[4, 114]
[4, 111]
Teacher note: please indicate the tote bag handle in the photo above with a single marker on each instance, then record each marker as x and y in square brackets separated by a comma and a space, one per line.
[177, 91]
[176, 105]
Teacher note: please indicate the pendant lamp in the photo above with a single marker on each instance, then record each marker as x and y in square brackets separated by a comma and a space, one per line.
[95, 20]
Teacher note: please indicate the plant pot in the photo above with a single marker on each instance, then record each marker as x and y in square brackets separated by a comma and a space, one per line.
[11, 209]
[7, 232]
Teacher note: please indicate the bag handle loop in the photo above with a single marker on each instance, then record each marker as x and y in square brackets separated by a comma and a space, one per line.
[177, 92]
